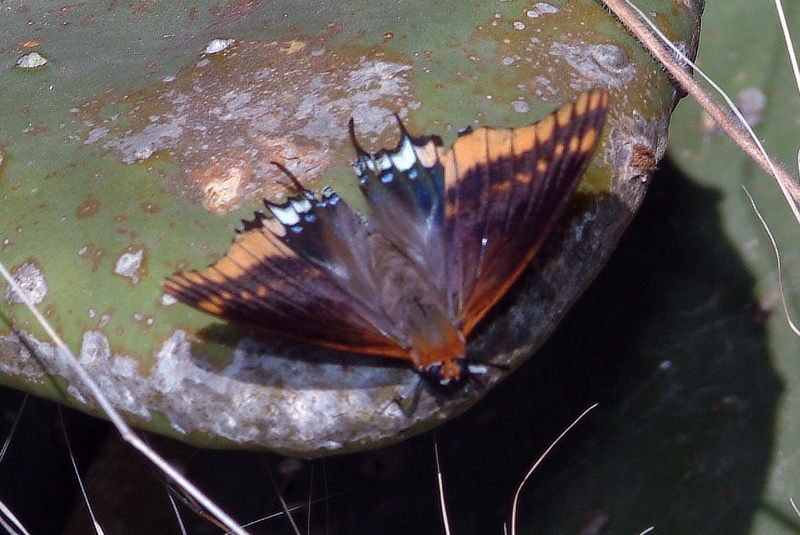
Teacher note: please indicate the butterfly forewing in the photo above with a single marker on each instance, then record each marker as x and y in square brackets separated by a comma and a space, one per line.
[504, 191]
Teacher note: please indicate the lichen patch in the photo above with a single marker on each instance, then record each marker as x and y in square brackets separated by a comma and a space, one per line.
[117, 375]
[216, 46]
[608, 63]
[131, 264]
[226, 117]
[204, 395]
[30, 278]
[540, 8]
[31, 60]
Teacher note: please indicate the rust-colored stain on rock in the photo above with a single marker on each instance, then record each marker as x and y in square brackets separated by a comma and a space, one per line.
[93, 254]
[221, 180]
[151, 207]
[644, 159]
[88, 208]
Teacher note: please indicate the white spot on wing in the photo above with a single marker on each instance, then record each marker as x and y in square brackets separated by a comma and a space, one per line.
[301, 206]
[405, 157]
[384, 163]
[287, 215]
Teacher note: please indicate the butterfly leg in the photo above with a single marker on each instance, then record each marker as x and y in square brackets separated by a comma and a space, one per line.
[408, 400]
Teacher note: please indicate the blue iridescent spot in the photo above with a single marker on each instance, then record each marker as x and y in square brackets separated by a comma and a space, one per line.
[297, 229]
[387, 178]
[309, 218]
[413, 174]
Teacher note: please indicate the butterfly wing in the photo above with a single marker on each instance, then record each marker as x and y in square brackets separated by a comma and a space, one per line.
[504, 191]
[283, 276]
[404, 189]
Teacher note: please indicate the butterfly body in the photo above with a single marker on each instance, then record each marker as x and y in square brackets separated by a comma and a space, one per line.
[447, 234]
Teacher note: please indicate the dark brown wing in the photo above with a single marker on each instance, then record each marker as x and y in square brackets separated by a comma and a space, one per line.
[404, 189]
[279, 277]
[504, 191]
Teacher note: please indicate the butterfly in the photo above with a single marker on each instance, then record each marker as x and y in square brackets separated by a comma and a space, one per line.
[447, 234]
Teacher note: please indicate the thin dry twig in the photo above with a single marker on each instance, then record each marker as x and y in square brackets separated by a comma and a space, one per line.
[787, 38]
[541, 458]
[98, 529]
[10, 523]
[440, 481]
[740, 133]
[13, 430]
[125, 431]
[286, 510]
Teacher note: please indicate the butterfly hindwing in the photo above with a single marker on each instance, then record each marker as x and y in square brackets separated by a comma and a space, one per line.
[404, 189]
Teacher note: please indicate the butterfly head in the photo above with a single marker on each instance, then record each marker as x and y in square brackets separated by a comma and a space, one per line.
[446, 375]
[450, 375]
